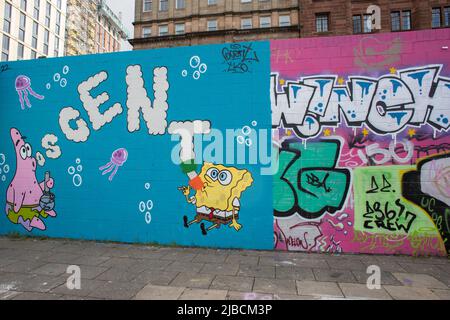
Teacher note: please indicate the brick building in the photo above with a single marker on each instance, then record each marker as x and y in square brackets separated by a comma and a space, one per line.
[167, 23]
[343, 17]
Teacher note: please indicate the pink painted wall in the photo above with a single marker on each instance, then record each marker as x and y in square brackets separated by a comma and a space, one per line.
[372, 172]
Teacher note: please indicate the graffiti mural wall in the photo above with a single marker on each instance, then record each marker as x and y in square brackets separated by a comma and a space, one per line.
[128, 147]
[361, 130]
[337, 145]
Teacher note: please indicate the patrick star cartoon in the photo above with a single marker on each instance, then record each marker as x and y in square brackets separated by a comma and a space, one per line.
[27, 201]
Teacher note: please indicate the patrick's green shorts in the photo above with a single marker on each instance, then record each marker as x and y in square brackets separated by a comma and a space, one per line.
[26, 212]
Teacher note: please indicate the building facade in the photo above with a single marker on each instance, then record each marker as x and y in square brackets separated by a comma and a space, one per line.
[32, 29]
[343, 17]
[168, 23]
[92, 27]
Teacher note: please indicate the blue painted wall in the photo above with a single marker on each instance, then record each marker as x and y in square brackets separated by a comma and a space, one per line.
[100, 209]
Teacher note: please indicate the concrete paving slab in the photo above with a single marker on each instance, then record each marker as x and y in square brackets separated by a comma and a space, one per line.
[319, 289]
[275, 286]
[244, 284]
[192, 280]
[226, 269]
[336, 275]
[361, 291]
[203, 294]
[419, 280]
[410, 293]
[152, 292]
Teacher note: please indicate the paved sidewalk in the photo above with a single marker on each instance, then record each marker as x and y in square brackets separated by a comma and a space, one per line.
[36, 269]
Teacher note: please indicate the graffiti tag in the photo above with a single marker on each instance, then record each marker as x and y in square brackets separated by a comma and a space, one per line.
[239, 57]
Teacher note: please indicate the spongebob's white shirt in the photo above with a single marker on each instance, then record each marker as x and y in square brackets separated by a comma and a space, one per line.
[217, 213]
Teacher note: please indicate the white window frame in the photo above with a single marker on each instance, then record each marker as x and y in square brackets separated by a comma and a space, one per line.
[246, 19]
[261, 20]
[144, 33]
[177, 4]
[180, 32]
[288, 20]
[208, 25]
[143, 5]
[163, 26]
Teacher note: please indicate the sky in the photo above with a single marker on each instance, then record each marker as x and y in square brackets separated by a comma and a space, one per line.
[127, 9]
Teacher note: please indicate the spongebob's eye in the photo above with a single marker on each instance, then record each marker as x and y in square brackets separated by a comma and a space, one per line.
[23, 152]
[28, 147]
[225, 177]
[212, 173]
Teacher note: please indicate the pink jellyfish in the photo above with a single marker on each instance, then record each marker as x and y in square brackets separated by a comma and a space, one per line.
[23, 86]
[118, 158]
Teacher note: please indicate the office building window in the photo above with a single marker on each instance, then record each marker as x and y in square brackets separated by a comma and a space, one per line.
[367, 25]
[23, 5]
[362, 23]
[33, 54]
[322, 22]
[180, 4]
[395, 21]
[406, 20]
[264, 22]
[246, 1]
[147, 5]
[284, 21]
[246, 23]
[212, 25]
[357, 24]
[436, 17]
[7, 18]
[56, 53]
[46, 38]
[211, 2]
[179, 28]
[447, 16]
[146, 32]
[23, 21]
[5, 48]
[163, 30]
[48, 13]
[163, 5]
[20, 50]
[59, 4]
[34, 37]
[37, 5]
[58, 22]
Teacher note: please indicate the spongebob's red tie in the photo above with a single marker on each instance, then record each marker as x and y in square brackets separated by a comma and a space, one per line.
[211, 215]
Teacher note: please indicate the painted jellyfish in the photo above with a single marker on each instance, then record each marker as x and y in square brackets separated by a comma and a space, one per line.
[23, 87]
[118, 158]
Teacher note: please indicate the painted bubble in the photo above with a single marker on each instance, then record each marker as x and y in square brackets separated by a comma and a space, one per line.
[194, 62]
[142, 206]
[148, 217]
[203, 67]
[246, 130]
[77, 180]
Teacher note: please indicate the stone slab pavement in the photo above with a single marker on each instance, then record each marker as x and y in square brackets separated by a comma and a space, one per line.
[38, 269]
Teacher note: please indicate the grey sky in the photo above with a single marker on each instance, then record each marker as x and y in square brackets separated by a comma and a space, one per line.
[127, 9]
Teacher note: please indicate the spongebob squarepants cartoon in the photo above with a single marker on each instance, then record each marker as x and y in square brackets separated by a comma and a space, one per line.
[218, 201]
